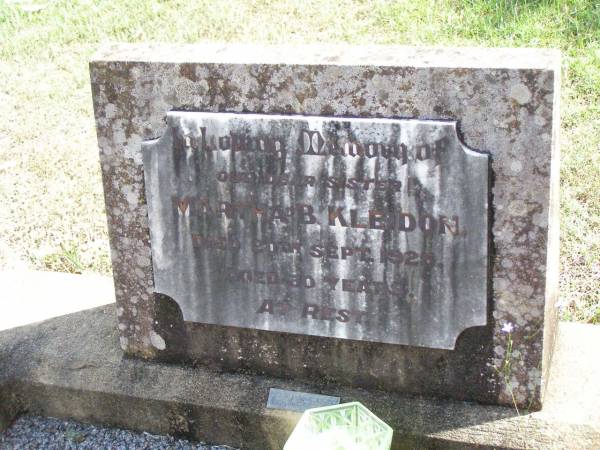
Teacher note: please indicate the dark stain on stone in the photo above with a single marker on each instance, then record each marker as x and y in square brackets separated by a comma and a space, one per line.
[358, 101]
[188, 71]
[327, 110]
[169, 325]
[442, 112]
[179, 423]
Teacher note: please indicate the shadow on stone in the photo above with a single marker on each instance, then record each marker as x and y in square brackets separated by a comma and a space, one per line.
[170, 328]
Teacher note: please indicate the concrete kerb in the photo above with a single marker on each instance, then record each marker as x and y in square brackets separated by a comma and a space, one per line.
[72, 367]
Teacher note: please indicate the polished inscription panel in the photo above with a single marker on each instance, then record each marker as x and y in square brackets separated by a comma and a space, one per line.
[367, 229]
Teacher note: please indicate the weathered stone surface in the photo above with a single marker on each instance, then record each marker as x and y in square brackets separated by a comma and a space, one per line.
[367, 229]
[74, 369]
[506, 104]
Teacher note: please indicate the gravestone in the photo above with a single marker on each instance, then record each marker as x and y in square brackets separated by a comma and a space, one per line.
[379, 217]
[299, 224]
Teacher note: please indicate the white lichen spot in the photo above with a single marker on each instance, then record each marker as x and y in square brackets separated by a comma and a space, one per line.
[520, 93]
[541, 219]
[110, 111]
[186, 92]
[122, 326]
[142, 260]
[516, 166]
[119, 311]
[202, 86]
[133, 150]
[123, 341]
[539, 121]
[157, 341]
[130, 195]
[118, 135]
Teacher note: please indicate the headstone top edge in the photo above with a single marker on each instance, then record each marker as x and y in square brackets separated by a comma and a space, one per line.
[333, 55]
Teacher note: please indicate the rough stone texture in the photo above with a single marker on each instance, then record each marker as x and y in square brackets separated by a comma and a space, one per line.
[506, 103]
[75, 369]
[430, 208]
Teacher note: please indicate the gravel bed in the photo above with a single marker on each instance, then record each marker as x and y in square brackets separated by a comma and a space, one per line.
[33, 432]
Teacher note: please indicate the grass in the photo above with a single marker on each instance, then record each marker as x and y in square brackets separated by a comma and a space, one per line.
[51, 207]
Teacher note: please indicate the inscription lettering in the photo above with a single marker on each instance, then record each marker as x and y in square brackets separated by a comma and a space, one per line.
[368, 229]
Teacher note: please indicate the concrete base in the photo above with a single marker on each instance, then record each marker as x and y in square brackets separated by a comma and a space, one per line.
[72, 367]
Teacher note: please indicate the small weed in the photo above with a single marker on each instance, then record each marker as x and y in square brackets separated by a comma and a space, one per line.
[75, 436]
[505, 369]
[65, 260]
